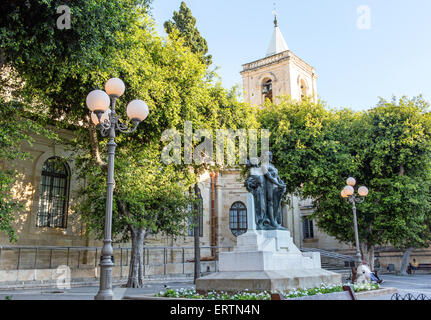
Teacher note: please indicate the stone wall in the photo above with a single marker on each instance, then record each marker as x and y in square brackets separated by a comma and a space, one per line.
[230, 189]
[89, 274]
[27, 191]
[388, 256]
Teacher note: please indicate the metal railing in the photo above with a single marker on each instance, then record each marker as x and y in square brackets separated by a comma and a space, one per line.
[51, 257]
[409, 296]
[329, 254]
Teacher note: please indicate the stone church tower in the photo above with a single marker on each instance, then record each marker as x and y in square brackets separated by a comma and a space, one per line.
[281, 72]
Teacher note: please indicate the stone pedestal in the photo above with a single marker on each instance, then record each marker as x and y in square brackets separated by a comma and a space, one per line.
[266, 260]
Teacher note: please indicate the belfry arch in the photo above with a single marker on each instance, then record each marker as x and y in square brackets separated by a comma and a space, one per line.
[267, 89]
[303, 88]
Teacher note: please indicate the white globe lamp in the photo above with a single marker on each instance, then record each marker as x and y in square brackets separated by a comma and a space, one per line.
[137, 110]
[115, 87]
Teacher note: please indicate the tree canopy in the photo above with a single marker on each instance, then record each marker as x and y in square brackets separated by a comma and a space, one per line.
[185, 24]
[58, 68]
[386, 148]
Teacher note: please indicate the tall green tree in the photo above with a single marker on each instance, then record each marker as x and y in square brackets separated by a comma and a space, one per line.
[395, 162]
[185, 24]
[387, 149]
[49, 71]
[149, 199]
[117, 38]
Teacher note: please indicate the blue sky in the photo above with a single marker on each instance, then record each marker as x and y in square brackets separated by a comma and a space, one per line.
[355, 66]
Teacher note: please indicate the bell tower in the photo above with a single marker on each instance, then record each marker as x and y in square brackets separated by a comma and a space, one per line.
[281, 72]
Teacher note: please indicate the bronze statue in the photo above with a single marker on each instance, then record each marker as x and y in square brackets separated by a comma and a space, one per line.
[267, 189]
[255, 184]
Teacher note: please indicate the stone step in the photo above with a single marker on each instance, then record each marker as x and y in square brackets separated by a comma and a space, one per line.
[344, 271]
[336, 268]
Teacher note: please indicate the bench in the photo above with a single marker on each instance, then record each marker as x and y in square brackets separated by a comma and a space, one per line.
[424, 266]
[421, 266]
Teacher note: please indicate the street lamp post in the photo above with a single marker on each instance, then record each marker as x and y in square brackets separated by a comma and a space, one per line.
[108, 123]
[348, 193]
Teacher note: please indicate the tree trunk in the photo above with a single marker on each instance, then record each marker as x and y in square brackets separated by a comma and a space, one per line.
[371, 257]
[405, 261]
[364, 251]
[94, 143]
[136, 267]
[87, 244]
[197, 272]
[368, 254]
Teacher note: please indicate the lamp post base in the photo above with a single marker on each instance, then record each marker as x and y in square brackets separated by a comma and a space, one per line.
[105, 295]
[105, 288]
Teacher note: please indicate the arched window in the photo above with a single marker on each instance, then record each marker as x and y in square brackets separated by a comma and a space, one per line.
[267, 89]
[238, 219]
[54, 194]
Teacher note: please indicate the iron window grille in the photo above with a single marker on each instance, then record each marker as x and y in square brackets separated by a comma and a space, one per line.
[238, 219]
[54, 194]
[308, 230]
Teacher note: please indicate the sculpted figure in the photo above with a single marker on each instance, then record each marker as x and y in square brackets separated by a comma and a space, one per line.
[255, 184]
[275, 189]
[267, 189]
[361, 275]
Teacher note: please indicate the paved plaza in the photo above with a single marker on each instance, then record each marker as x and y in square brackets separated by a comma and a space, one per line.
[414, 284]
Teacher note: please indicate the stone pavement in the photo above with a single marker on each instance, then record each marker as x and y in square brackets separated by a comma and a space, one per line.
[414, 284]
[88, 292]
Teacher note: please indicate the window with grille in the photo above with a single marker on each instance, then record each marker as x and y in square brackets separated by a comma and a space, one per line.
[307, 228]
[238, 219]
[54, 193]
[191, 231]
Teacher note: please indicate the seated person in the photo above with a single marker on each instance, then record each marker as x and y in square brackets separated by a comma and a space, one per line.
[414, 266]
[370, 274]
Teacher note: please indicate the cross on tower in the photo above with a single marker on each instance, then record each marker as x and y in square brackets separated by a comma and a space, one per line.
[274, 12]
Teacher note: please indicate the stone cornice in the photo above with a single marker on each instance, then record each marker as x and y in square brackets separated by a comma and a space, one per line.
[266, 61]
[285, 55]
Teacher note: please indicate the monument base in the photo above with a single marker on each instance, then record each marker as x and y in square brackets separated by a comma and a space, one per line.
[267, 261]
[271, 281]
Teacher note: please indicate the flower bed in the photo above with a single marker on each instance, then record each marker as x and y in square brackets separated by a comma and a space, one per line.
[265, 295]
